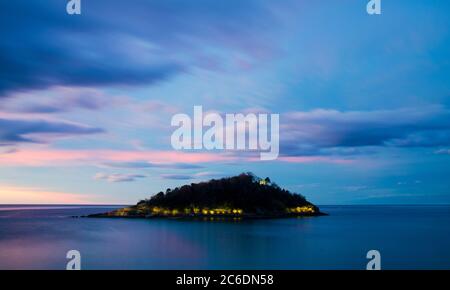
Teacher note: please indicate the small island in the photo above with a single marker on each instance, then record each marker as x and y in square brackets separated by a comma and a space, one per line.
[242, 196]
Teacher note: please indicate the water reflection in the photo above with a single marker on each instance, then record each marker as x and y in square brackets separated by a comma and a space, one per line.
[40, 239]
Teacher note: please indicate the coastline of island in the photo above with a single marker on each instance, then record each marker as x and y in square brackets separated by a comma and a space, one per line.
[245, 196]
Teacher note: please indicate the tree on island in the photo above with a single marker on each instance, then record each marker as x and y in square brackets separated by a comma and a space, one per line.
[244, 193]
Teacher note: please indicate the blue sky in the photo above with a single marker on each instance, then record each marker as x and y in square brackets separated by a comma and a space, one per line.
[86, 100]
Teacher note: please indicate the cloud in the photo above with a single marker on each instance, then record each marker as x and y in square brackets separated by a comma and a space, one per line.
[58, 157]
[133, 159]
[60, 99]
[176, 176]
[42, 46]
[332, 132]
[8, 150]
[442, 152]
[13, 131]
[209, 174]
[206, 175]
[116, 177]
[314, 159]
[328, 136]
[416, 182]
[354, 188]
[154, 106]
[145, 164]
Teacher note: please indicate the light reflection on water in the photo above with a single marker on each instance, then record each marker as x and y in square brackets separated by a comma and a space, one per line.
[407, 237]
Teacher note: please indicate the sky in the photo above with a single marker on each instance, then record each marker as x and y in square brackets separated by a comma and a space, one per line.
[86, 100]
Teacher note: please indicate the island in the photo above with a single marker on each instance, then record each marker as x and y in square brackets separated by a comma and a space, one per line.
[242, 196]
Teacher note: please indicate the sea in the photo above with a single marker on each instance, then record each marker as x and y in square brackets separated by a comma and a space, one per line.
[406, 237]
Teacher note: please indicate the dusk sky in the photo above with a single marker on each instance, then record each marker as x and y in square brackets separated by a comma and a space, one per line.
[86, 100]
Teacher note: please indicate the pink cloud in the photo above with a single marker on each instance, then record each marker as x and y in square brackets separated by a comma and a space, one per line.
[49, 157]
[58, 157]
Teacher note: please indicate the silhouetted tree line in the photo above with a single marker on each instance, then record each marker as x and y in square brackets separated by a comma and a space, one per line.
[244, 191]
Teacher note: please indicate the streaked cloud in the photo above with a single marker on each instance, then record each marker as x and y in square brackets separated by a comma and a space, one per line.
[118, 177]
[176, 176]
[60, 99]
[58, 157]
[13, 131]
[145, 164]
[332, 132]
[442, 152]
[199, 175]
[42, 47]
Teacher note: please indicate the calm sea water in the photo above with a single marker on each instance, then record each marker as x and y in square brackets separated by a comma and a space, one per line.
[408, 237]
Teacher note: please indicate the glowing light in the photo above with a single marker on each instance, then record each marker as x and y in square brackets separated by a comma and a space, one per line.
[301, 209]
